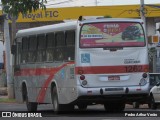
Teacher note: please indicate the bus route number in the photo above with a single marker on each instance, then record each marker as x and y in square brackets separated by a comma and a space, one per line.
[133, 68]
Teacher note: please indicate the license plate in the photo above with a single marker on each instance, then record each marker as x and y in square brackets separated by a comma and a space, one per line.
[113, 77]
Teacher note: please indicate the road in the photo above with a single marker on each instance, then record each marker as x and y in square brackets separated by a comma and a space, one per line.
[95, 112]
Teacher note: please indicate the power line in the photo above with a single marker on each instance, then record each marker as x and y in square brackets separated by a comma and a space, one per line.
[73, 2]
[59, 3]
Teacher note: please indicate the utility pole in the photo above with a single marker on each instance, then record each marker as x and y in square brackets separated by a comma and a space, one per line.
[8, 57]
[142, 12]
[96, 2]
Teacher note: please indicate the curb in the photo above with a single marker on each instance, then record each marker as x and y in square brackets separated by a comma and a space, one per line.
[3, 91]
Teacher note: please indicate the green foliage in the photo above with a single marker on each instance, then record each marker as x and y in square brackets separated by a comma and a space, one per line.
[14, 7]
[7, 100]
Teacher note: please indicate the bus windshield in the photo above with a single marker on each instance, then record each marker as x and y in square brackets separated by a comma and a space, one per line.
[112, 34]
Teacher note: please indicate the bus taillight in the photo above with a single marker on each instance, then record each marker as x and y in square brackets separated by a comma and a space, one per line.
[144, 75]
[82, 77]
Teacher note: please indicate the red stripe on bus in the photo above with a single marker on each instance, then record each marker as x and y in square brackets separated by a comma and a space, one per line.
[111, 69]
[39, 71]
[42, 71]
[42, 92]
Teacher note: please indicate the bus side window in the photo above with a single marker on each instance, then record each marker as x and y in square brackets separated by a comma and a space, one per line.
[70, 42]
[25, 46]
[41, 48]
[50, 41]
[32, 49]
[19, 49]
[60, 46]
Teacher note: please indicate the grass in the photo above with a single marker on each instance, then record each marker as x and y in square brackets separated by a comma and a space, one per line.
[7, 100]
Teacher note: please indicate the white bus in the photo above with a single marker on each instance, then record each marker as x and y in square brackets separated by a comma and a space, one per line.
[85, 62]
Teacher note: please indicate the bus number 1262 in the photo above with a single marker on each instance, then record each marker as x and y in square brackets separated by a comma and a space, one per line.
[133, 68]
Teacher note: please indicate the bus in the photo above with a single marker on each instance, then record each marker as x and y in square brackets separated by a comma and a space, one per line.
[80, 63]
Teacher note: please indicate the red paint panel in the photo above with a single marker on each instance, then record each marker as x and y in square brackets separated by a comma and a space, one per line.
[112, 69]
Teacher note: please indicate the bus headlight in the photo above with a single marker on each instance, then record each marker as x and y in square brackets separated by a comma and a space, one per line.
[143, 81]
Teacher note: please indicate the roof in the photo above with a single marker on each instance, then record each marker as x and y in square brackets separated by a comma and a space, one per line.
[46, 29]
[117, 11]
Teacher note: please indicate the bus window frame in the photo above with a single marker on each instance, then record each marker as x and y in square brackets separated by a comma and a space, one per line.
[50, 48]
[70, 46]
[41, 48]
[32, 50]
[60, 48]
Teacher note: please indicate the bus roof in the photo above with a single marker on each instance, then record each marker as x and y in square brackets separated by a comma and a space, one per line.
[112, 19]
[47, 29]
[70, 25]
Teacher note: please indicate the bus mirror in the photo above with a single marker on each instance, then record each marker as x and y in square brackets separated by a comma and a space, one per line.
[13, 49]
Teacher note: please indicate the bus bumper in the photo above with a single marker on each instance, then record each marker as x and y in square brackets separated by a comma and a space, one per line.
[127, 94]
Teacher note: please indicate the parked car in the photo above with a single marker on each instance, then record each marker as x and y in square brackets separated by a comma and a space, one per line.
[131, 32]
[155, 92]
[154, 79]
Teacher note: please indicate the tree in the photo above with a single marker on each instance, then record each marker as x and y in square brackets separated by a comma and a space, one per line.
[14, 7]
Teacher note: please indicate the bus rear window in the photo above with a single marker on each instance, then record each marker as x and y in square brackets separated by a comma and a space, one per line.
[112, 34]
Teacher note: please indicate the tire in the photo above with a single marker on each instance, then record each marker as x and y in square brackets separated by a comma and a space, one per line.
[31, 106]
[82, 106]
[56, 106]
[153, 104]
[59, 108]
[136, 105]
[114, 106]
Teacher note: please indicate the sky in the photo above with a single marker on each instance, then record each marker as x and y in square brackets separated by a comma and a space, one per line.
[73, 3]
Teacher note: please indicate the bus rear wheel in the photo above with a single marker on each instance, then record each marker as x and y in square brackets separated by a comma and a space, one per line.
[82, 106]
[59, 108]
[56, 106]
